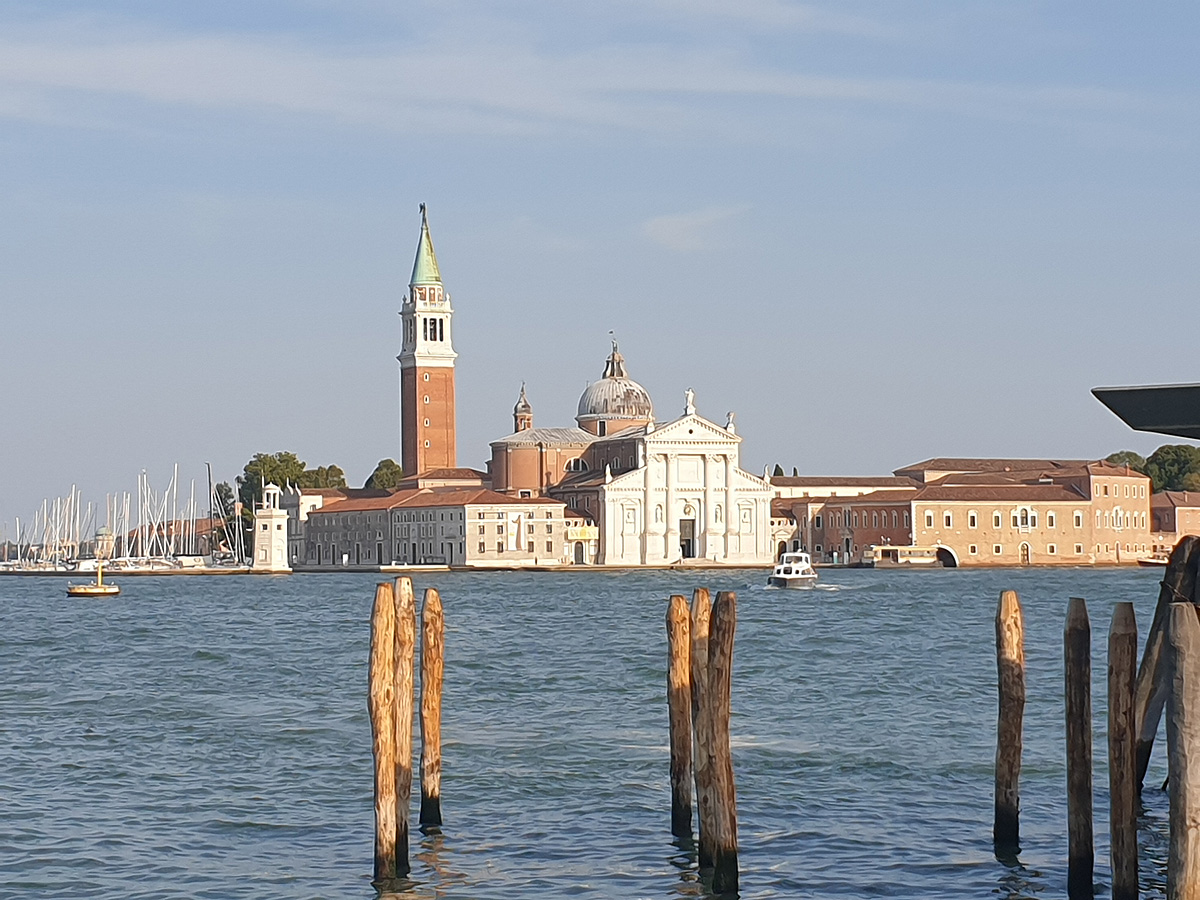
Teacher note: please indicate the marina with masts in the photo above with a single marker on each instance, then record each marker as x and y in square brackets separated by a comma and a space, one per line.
[146, 532]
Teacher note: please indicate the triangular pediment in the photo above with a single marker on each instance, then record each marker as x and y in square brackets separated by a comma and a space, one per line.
[692, 428]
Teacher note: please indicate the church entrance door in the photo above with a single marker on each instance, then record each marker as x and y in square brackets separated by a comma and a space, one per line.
[687, 538]
[579, 553]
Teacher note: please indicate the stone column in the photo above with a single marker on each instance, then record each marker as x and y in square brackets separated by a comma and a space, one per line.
[672, 540]
[711, 546]
[731, 514]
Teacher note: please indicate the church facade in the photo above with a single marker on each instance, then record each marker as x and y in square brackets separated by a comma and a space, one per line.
[659, 493]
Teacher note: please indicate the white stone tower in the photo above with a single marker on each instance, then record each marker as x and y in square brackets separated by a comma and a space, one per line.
[270, 533]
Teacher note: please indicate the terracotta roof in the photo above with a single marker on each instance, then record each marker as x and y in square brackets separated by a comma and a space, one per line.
[876, 497]
[471, 497]
[1164, 499]
[581, 480]
[359, 504]
[572, 513]
[842, 481]
[1014, 493]
[430, 497]
[987, 464]
[452, 473]
[781, 510]
[571, 435]
[1104, 467]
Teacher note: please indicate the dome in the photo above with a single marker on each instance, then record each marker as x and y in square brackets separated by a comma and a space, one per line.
[616, 395]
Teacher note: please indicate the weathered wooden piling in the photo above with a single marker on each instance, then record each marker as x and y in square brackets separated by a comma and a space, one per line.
[701, 758]
[1178, 585]
[433, 650]
[1182, 653]
[1077, 643]
[381, 704]
[1010, 670]
[679, 713]
[1122, 755]
[717, 700]
[403, 661]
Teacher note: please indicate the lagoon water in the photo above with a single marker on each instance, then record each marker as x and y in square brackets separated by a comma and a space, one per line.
[208, 737]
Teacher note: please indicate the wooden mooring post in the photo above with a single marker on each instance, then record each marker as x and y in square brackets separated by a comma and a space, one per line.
[1178, 585]
[717, 699]
[381, 704]
[1077, 642]
[679, 713]
[1183, 751]
[1122, 755]
[701, 757]
[433, 655]
[1010, 666]
[403, 661]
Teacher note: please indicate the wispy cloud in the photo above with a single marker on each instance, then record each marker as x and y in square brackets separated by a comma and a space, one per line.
[690, 231]
[504, 87]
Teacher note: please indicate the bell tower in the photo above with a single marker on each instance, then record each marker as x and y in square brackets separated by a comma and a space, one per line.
[427, 435]
[522, 412]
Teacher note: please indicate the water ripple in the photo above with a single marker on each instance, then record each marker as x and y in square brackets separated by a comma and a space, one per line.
[209, 738]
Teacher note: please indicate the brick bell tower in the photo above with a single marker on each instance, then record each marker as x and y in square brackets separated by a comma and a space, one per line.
[427, 437]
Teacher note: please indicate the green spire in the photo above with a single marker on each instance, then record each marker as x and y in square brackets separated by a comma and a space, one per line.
[425, 267]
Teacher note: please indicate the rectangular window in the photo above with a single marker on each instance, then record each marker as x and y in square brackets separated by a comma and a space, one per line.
[996, 549]
[499, 546]
[549, 546]
[949, 520]
[482, 547]
[425, 328]
[928, 520]
[972, 549]
[972, 520]
[529, 528]
[817, 522]
[995, 520]
[1051, 549]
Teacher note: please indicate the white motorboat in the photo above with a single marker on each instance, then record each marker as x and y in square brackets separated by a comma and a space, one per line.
[794, 570]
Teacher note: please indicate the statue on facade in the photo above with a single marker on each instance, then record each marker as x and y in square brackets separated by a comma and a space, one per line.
[689, 402]
[729, 426]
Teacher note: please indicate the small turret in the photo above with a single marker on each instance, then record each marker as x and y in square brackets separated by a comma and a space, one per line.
[522, 412]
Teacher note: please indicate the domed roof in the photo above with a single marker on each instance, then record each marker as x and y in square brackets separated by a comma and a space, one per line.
[616, 395]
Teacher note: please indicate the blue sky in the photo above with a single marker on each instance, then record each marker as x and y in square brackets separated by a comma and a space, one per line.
[878, 231]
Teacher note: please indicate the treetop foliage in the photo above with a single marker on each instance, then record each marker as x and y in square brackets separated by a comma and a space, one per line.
[1172, 467]
[283, 468]
[387, 475]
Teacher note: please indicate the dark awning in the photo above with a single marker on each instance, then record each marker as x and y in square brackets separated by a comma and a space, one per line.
[1161, 408]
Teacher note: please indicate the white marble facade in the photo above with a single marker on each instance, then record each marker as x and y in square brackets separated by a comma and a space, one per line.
[688, 499]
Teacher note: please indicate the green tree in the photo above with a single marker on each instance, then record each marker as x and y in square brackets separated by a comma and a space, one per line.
[1170, 464]
[1191, 481]
[263, 469]
[322, 477]
[225, 501]
[778, 470]
[387, 475]
[1135, 461]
